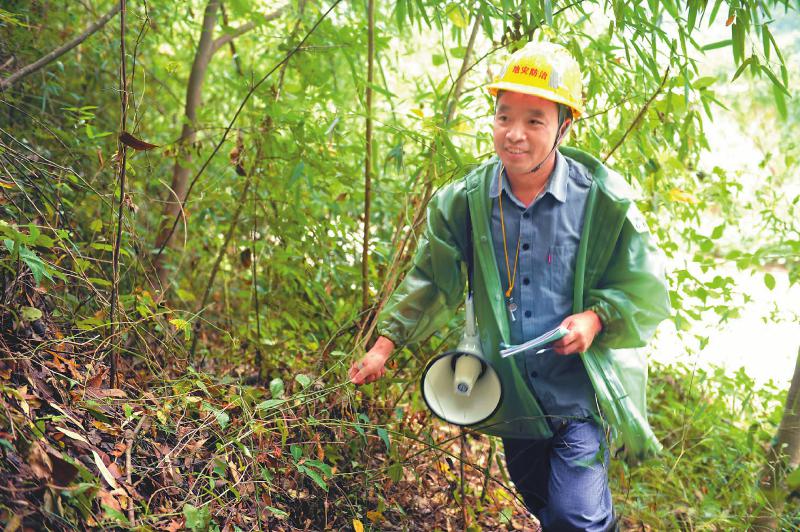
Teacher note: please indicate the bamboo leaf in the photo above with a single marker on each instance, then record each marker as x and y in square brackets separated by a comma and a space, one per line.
[109, 478]
[716, 45]
[384, 435]
[457, 15]
[780, 101]
[400, 13]
[72, 434]
[714, 11]
[692, 17]
[737, 35]
[741, 68]
[774, 80]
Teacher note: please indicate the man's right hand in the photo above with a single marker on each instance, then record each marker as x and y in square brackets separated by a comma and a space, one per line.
[372, 365]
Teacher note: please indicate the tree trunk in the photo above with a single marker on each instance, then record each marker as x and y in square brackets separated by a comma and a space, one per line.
[782, 458]
[180, 173]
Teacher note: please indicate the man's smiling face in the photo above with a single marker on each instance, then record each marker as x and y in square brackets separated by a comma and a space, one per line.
[525, 127]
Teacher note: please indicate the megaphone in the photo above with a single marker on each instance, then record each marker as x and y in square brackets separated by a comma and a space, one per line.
[460, 386]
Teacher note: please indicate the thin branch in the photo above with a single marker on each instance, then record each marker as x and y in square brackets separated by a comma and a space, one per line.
[122, 151]
[639, 115]
[61, 50]
[462, 75]
[232, 46]
[130, 436]
[222, 40]
[247, 97]
[368, 155]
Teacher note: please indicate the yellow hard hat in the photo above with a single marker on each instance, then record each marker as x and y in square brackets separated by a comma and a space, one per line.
[546, 70]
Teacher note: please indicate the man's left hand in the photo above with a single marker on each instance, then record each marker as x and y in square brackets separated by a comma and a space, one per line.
[583, 328]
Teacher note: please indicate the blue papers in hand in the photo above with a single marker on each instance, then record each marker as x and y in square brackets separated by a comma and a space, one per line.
[539, 342]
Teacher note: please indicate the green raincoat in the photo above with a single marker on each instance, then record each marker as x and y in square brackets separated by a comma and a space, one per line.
[619, 273]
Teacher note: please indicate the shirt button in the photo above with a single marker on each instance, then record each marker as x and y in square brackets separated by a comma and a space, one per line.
[526, 215]
[528, 313]
[526, 281]
[534, 374]
[526, 246]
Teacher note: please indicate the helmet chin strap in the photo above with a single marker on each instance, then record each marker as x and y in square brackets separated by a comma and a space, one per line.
[555, 145]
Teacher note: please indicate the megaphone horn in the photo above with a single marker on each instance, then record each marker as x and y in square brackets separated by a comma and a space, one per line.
[460, 386]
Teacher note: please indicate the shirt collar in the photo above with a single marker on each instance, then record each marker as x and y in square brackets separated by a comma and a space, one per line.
[556, 185]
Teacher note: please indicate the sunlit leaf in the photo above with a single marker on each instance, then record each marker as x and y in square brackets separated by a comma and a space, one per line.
[457, 15]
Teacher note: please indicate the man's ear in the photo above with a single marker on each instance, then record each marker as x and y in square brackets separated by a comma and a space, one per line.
[564, 129]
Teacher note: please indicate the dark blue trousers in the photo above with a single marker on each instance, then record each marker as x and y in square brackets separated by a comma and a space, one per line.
[564, 480]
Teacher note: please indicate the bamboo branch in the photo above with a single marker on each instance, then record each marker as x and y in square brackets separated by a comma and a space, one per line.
[130, 436]
[365, 332]
[368, 157]
[639, 115]
[61, 50]
[301, 6]
[122, 151]
[462, 74]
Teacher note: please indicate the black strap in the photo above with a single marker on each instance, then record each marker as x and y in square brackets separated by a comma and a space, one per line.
[468, 256]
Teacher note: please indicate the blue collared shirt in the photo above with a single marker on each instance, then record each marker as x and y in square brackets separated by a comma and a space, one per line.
[549, 232]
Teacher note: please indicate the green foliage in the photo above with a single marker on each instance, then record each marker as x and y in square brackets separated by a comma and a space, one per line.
[286, 297]
[715, 429]
[196, 518]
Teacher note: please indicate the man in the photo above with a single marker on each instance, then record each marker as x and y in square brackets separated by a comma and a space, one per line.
[557, 241]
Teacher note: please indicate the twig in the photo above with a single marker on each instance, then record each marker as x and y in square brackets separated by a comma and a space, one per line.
[254, 259]
[639, 116]
[131, 437]
[122, 151]
[486, 471]
[462, 74]
[61, 50]
[232, 46]
[247, 97]
[463, 459]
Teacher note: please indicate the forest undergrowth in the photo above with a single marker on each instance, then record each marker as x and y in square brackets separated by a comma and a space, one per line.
[178, 448]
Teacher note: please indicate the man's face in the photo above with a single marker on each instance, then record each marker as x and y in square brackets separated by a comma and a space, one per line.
[525, 127]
